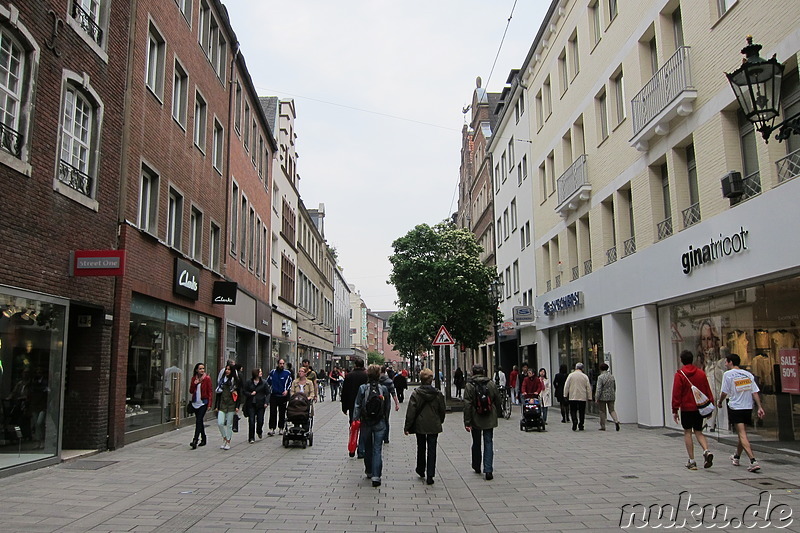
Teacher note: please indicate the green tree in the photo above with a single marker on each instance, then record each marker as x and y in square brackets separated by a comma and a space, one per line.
[440, 279]
[374, 358]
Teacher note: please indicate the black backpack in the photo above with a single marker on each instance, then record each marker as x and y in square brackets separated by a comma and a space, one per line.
[483, 402]
[373, 402]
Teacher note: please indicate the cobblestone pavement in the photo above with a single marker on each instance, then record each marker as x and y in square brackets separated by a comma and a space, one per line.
[559, 480]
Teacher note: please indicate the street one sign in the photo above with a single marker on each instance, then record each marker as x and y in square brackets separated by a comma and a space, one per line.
[443, 338]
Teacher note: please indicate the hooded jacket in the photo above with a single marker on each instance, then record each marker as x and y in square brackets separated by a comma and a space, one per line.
[682, 397]
[471, 416]
[426, 410]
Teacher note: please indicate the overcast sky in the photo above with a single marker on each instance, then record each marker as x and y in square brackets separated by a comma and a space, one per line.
[379, 87]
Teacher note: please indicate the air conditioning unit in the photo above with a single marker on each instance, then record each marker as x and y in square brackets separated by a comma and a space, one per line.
[732, 185]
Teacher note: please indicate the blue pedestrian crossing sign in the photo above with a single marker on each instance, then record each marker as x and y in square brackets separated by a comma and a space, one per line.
[443, 337]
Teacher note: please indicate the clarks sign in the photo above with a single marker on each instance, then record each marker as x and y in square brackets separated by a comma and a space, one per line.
[225, 292]
[186, 279]
[715, 249]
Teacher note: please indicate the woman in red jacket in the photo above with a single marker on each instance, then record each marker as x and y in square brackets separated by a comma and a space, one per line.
[531, 385]
[201, 390]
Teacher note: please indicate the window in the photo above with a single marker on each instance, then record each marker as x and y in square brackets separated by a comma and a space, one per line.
[524, 166]
[234, 217]
[511, 154]
[253, 154]
[594, 16]
[78, 145]
[503, 167]
[574, 55]
[563, 74]
[13, 74]
[519, 173]
[506, 233]
[500, 232]
[288, 222]
[522, 237]
[287, 279]
[264, 236]
[619, 96]
[251, 227]
[725, 5]
[691, 167]
[219, 145]
[515, 275]
[186, 8]
[514, 215]
[507, 282]
[243, 231]
[747, 137]
[519, 107]
[246, 128]
[180, 95]
[527, 233]
[543, 181]
[237, 117]
[260, 156]
[551, 172]
[213, 247]
[652, 52]
[602, 115]
[548, 99]
[612, 10]
[174, 219]
[196, 234]
[200, 118]
[539, 110]
[88, 15]
[154, 64]
[677, 28]
[667, 202]
[497, 177]
[147, 218]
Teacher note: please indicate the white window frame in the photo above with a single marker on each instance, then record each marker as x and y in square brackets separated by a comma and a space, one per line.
[174, 219]
[200, 121]
[154, 61]
[180, 94]
[196, 234]
[218, 149]
[214, 239]
[147, 216]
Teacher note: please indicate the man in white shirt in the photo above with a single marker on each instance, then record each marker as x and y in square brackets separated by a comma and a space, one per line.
[740, 388]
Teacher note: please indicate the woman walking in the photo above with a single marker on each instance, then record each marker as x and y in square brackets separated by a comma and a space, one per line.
[458, 381]
[425, 415]
[255, 397]
[228, 392]
[558, 384]
[544, 395]
[200, 389]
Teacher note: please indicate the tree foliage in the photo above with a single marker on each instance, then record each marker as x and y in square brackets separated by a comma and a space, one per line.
[439, 279]
[374, 358]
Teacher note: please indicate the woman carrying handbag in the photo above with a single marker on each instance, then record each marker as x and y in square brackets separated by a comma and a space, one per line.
[200, 390]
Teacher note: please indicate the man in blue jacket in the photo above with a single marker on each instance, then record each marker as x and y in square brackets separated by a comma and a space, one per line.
[279, 383]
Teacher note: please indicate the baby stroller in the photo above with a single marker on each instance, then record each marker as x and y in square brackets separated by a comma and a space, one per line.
[531, 413]
[298, 413]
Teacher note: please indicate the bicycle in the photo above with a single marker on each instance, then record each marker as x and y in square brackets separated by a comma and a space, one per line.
[505, 403]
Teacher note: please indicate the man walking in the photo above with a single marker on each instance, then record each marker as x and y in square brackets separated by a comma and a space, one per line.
[579, 391]
[605, 394]
[388, 382]
[690, 418]
[512, 383]
[334, 377]
[352, 382]
[279, 383]
[481, 402]
[372, 408]
[740, 388]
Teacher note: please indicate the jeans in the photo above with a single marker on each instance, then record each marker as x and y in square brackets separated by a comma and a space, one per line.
[514, 395]
[488, 449]
[277, 409]
[372, 438]
[334, 390]
[199, 425]
[256, 415]
[426, 454]
[577, 408]
[610, 405]
[225, 423]
[544, 414]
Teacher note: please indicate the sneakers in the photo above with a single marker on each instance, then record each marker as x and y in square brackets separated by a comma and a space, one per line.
[734, 460]
[691, 465]
[708, 459]
[489, 476]
[280, 431]
[226, 446]
[271, 433]
[617, 424]
[251, 441]
[429, 481]
[420, 473]
[376, 483]
[754, 466]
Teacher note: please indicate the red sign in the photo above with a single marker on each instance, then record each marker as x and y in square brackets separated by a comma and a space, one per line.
[790, 373]
[98, 263]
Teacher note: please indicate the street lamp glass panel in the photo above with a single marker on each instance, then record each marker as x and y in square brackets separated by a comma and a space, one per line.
[757, 86]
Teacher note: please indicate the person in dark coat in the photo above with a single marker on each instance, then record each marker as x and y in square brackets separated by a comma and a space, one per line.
[400, 385]
[558, 384]
[425, 415]
[255, 398]
[458, 381]
[352, 382]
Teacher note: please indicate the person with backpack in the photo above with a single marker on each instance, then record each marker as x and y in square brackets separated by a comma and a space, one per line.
[350, 386]
[389, 384]
[372, 408]
[424, 417]
[683, 399]
[481, 402]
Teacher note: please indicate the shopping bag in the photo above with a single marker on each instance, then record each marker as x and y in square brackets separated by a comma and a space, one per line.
[352, 444]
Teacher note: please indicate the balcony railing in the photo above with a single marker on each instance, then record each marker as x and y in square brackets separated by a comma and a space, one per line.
[87, 22]
[789, 166]
[10, 140]
[573, 186]
[664, 228]
[752, 186]
[668, 93]
[691, 215]
[611, 255]
[558, 281]
[629, 246]
[75, 178]
[575, 273]
[587, 267]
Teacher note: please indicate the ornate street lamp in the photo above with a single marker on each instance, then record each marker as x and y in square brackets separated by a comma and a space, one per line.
[496, 291]
[757, 86]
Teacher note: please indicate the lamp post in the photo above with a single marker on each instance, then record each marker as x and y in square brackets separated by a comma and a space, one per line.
[496, 291]
[757, 86]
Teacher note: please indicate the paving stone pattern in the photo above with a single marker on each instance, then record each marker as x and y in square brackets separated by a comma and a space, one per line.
[559, 480]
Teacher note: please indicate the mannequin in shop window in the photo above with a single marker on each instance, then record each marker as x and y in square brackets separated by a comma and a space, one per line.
[710, 361]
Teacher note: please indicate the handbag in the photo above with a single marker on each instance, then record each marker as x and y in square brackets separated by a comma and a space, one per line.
[189, 408]
[704, 405]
